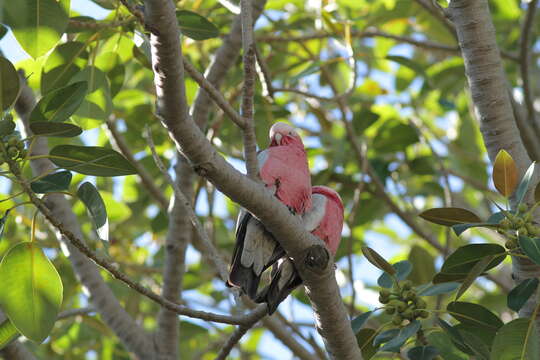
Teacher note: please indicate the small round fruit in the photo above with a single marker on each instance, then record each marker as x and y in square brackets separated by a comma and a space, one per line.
[397, 319]
[385, 292]
[420, 303]
[12, 140]
[23, 153]
[505, 224]
[522, 208]
[407, 284]
[383, 299]
[424, 314]
[401, 306]
[12, 152]
[389, 310]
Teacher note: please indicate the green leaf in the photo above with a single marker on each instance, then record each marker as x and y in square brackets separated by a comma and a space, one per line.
[365, 342]
[422, 353]
[465, 257]
[60, 104]
[62, 65]
[417, 68]
[89, 195]
[449, 216]
[519, 295]
[505, 174]
[524, 184]
[438, 289]
[3, 220]
[8, 332]
[460, 228]
[377, 260]
[424, 267]
[453, 332]
[393, 136]
[9, 84]
[385, 336]
[6, 127]
[395, 344]
[403, 269]
[516, 340]
[52, 183]
[31, 293]
[195, 26]
[358, 321]
[531, 247]
[476, 271]
[50, 129]
[91, 160]
[474, 314]
[97, 105]
[36, 24]
[363, 119]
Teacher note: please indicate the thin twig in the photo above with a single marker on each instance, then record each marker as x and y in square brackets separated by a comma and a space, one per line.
[145, 177]
[526, 31]
[250, 141]
[236, 336]
[264, 74]
[98, 25]
[214, 94]
[212, 253]
[134, 10]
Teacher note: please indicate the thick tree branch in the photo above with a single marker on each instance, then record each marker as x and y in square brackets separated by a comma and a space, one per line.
[132, 336]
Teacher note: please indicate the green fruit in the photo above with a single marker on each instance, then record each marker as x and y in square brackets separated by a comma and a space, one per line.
[12, 152]
[389, 310]
[407, 284]
[397, 319]
[401, 306]
[523, 208]
[519, 223]
[383, 299]
[6, 127]
[385, 292]
[510, 244]
[523, 231]
[23, 153]
[505, 224]
[424, 314]
[12, 140]
[420, 303]
[407, 314]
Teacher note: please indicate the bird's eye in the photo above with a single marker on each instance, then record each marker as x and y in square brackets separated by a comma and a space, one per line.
[291, 133]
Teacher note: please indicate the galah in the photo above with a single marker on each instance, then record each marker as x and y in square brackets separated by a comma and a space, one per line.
[283, 168]
[324, 220]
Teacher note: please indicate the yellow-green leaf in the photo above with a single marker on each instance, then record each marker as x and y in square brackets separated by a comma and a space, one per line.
[505, 174]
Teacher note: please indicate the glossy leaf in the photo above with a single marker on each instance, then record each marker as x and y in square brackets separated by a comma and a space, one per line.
[89, 195]
[403, 269]
[365, 342]
[524, 184]
[474, 314]
[58, 181]
[516, 340]
[531, 247]
[519, 295]
[405, 333]
[58, 105]
[9, 84]
[505, 173]
[359, 321]
[8, 332]
[476, 271]
[37, 24]
[464, 258]
[438, 289]
[196, 26]
[449, 216]
[50, 129]
[91, 160]
[424, 267]
[31, 293]
[377, 260]
[422, 353]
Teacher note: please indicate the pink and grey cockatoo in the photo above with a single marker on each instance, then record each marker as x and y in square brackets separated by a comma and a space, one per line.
[283, 168]
[324, 220]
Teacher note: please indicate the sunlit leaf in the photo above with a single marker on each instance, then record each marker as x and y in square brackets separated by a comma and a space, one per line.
[449, 216]
[31, 293]
[91, 160]
[8, 332]
[89, 195]
[60, 104]
[516, 340]
[424, 267]
[505, 174]
[58, 181]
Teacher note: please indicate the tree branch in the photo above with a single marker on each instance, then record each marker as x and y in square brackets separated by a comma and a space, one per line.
[311, 256]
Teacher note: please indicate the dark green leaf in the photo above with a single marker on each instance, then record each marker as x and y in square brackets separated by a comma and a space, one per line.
[377, 260]
[89, 195]
[459, 229]
[521, 293]
[50, 129]
[417, 68]
[385, 336]
[424, 267]
[464, 258]
[403, 269]
[422, 353]
[51, 183]
[196, 26]
[449, 216]
[531, 247]
[524, 184]
[58, 105]
[442, 341]
[505, 174]
[358, 321]
[476, 271]
[365, 342]
[475, 345]
[438, 289]
[9, 84]
[8, 332]
[31, 293]
[363, 119]
[474, 314]
[516, 340]
[91, 160]
[395, 344]
[454, 333]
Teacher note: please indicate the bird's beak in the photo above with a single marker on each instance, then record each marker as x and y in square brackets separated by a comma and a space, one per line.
[278, 137]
